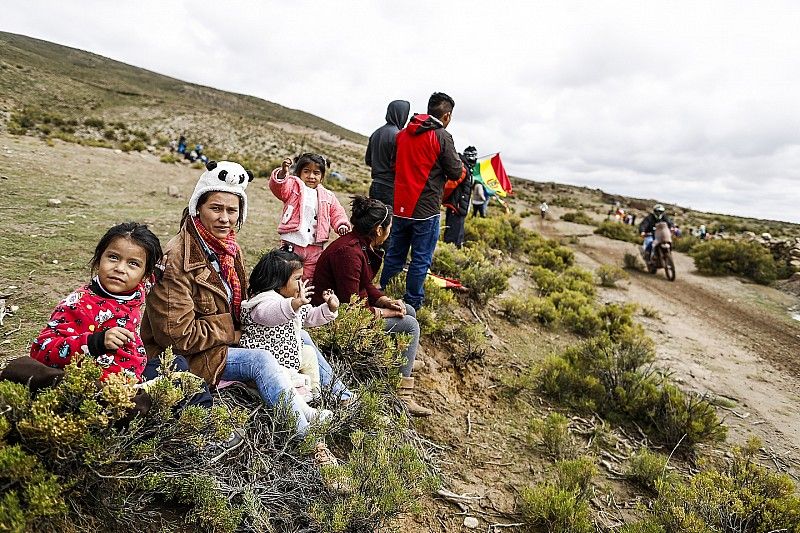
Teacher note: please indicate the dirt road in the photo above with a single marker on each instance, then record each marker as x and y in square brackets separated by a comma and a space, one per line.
[723, 336]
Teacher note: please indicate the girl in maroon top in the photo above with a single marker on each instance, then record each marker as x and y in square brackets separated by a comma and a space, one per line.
[101, 320]
[348, 266]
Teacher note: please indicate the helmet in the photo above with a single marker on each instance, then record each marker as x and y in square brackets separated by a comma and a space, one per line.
[471, 154]
[658, 209]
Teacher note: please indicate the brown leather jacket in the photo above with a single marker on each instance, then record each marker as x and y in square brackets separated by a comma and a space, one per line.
[189, 309]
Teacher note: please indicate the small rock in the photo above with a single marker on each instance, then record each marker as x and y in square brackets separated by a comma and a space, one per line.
[3, 177]
[14, 308]
[12, 287]
[151, 149]
[470, 522]
[173, 191]
[55, 261]
[766, 236]
[53, 202]
[795, 277]
[117, 151]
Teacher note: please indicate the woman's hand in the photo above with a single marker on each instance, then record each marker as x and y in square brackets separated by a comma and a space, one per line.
[285, 166]
[342, 230]
[115, 338]
[384, 312]
[331, 299]
[304, 293]
[389, 304]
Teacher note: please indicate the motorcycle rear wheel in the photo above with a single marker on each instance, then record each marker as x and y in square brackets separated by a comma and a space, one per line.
[669, 266]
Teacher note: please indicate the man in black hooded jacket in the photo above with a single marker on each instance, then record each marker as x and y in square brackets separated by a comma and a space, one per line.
[381, 152]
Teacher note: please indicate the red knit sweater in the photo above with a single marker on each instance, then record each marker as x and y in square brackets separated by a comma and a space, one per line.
[76, 329]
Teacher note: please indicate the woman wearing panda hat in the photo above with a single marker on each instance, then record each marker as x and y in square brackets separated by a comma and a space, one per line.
[196, 307]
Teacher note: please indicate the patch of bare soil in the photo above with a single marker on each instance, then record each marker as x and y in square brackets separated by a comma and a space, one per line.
[721, 336]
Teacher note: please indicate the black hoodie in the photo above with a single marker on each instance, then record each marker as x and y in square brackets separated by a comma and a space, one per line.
[381, 148]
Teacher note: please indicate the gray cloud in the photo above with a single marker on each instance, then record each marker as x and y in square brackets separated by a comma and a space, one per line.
[682, 101]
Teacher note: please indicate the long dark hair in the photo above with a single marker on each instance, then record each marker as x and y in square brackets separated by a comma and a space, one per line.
[273, 271]
[368, 214]
[138, 234]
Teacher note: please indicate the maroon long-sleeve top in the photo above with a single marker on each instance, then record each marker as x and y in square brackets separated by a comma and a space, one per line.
[348, 266]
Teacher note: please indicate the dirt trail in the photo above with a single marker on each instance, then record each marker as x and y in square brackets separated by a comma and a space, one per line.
[719, 335]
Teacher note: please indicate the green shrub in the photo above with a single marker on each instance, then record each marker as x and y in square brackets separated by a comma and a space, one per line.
[169, 158]
[357, 343]
[617, 231]
[476, 267]
[555, 509]
[502, 232]
[518, 309]
[576, 474]
[94, 123]
[686, 418]
[742, 497]
[721, 257]
[609, 275]
[578, 217]
[614, 378]
[549, 254]
[685, 243]
[631, 261]
[389, 477]
[552, 434]
[647, 469]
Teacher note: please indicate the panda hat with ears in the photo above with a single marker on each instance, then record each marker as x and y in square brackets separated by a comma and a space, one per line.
[224, 176]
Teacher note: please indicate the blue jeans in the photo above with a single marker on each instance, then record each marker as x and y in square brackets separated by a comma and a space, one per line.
[647, 245]
[420, 236]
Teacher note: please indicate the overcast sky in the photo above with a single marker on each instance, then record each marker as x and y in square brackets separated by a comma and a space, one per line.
[689, 102]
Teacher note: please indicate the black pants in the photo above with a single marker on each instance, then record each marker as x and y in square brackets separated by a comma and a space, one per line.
[454, 228]
[201, 398]
[382, 192]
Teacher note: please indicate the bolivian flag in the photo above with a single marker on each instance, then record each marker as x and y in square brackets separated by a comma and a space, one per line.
[490, 172]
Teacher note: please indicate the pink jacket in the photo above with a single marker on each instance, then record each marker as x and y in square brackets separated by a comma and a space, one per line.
[290, 191]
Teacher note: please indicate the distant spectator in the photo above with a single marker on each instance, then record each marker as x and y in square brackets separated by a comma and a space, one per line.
[457, 200]
[381, 152]
[479, 199]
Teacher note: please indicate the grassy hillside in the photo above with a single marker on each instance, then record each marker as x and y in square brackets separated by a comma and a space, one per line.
[53, 90]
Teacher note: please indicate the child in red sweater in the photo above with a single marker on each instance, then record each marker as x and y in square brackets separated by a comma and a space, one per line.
[101, 320]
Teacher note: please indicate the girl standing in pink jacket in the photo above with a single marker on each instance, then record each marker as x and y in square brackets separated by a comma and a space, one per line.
[309, 209]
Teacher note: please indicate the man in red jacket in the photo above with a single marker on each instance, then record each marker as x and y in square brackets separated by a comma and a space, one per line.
[426, 159]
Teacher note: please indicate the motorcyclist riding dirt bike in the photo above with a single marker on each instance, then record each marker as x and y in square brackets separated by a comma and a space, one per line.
[657, 246]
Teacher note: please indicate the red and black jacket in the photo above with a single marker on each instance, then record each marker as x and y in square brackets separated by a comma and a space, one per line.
[426, 159]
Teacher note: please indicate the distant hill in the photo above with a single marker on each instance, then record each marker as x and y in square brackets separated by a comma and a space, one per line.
[53, 84]
[54, 91]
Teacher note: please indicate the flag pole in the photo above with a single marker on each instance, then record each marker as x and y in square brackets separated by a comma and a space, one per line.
[488, 155]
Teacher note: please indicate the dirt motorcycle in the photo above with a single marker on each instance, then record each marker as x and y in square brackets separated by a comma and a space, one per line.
[661, 252]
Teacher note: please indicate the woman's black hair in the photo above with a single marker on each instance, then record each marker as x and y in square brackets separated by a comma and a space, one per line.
[203, 199]
[138, 234]
[273, 271]
[368, 214]
[304, 160]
